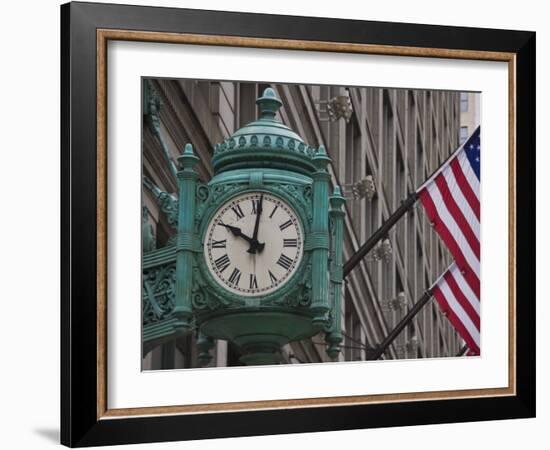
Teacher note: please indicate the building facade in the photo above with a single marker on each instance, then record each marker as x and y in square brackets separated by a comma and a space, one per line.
[384, 143]
[470, 114]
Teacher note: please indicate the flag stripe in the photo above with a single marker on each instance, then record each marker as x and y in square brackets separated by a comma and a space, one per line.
[457, 309]
[466, 290]
[445, 225]
[461, 298]
[465, 187]
[455, 321]
[455, 231]
[461, 202]
[470, 277]
[457, 215]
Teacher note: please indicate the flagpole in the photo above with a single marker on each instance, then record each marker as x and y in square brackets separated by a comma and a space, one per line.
[379, 234]
[462, 350]
[383, 346]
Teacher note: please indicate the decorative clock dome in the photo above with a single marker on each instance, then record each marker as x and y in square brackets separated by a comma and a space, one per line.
[266, 142]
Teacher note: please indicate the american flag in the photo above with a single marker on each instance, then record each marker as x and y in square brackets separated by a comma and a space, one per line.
[451, 198]
[460, 305]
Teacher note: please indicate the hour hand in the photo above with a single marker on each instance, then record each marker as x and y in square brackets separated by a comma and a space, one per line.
[237, 232]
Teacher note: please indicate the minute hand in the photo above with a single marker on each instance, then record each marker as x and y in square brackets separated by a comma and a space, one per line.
[255, 245]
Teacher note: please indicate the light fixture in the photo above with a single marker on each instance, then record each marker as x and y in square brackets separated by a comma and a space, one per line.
[395, 304]
[338, 107]
[407, 349]
[412, 345]
[382, 252]
[364, 188]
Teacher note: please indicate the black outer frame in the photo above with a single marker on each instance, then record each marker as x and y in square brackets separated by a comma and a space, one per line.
[79, 424]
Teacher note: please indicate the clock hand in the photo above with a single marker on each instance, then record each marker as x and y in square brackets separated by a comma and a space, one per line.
[255, 245]
[238, 233]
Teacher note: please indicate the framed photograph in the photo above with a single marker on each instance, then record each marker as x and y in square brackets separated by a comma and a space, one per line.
[279, 224]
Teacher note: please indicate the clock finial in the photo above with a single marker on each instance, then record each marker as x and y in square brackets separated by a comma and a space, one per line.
[187, 160]
[269, 104]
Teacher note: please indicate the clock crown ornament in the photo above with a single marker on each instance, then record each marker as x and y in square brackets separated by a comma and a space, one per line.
[265, 142]
[257, 259]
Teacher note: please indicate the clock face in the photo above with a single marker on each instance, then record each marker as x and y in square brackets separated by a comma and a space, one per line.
[250, 265]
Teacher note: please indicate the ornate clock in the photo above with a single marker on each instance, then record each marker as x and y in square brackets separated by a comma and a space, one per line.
[254, 244]
[256, 262]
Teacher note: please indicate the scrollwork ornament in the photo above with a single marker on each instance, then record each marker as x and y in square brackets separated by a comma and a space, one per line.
[329, 322]
[304, 299]
[299, 297]
[198, 300]
[301, 194]
[159, 293]
[203, 192]
[331, 227]
[169, 205]
[308, 194]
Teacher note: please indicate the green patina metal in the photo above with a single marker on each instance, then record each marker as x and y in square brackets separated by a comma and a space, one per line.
[180, 294]
[333, 335]
[151, 111]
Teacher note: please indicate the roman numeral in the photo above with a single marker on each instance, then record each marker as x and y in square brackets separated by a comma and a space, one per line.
[235, 276]
[290, 242]
[285, 225]
[222, 263]
[255, 204]
[238, 211]
[285, 262]
[272, 277]
[220, 244]
[273, 212]
[253, 281]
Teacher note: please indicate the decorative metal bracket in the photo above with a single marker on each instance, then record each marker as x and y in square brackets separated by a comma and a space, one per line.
[338, 107]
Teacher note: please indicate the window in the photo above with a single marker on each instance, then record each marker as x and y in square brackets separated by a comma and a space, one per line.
[246, 107]
[352, 168]
[387, 151]
[463, 134]
[463, 102]
[349, 322]
[400, 194]
[373, 113]
[419, 172]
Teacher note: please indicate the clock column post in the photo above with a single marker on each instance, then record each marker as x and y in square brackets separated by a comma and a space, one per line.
[186, 239]
[318, 238]
[334, 332]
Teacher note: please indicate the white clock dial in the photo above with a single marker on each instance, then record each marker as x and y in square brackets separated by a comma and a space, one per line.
[247, 266]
